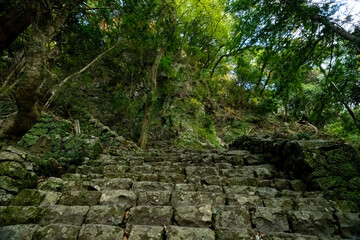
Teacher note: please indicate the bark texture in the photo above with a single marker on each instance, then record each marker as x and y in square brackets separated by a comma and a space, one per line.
[147, 115]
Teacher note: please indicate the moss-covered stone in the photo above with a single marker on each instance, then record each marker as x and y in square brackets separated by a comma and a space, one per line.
[329, 182]
[13, 170]
[318, 173]
[12, 215]
[51, 184]
[346, 170]
[9, 184]
[28, 197]
[346, 206]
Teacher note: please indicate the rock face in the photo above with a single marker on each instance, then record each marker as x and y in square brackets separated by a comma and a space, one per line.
[170, 194]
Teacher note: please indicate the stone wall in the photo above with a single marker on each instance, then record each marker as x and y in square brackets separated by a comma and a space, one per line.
[329, 166]
[16, 174]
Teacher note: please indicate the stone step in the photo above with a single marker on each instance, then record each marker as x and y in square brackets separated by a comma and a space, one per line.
[174, 194]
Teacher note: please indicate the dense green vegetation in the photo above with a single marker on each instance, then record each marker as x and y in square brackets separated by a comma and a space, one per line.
[194, 74]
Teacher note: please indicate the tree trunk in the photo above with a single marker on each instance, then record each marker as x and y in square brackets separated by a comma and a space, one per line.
[14, 22]
[348, 108]
[27, 94]
[150, 98]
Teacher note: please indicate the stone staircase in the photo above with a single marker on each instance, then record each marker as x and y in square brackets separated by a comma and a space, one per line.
[175, 194]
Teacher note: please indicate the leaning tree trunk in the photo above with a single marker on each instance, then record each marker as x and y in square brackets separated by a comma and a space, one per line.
[348, 108]
[15, 21]
[150, 98]
[27, 94]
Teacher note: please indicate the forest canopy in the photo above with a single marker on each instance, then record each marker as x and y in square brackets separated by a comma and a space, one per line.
[179, 69]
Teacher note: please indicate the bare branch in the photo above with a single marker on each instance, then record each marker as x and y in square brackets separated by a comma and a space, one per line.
[56, 89]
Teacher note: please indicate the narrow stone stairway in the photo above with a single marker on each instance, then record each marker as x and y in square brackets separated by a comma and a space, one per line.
[174, 194]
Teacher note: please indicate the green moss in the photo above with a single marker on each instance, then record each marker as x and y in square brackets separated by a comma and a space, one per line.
[329, 182]
[345, 170]
[12, 169]
[12, 215]
[319, 172]
[354, 183]
[343, 194]
[30, 181]
[28, 197]
[9, 184]
[344, 154]
[347, 206]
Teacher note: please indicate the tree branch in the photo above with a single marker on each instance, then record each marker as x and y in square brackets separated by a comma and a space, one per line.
[58, 87]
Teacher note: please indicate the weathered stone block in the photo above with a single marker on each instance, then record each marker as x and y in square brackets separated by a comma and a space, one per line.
[73, 177]
[144, 168]
[5, 198]
[148, 177]
[216, 180]
[28, 197]
[9, 156]
[74, 186]
[146, 215]
[245, 200]
[13, 215]
[107, 215]
[187, 233]
[115, 169]
[231, 217]
[210, 188]
[9, 184]
[197, 198]
[154, 198]
[51, 184]
[290, 194]
[283, 203]
[254, 159]
[313, 204]
[50, 199]
[279, 184]
[172, 178]
[201, 171]
[111, 184]
[187, 187]
[290, 236]
[18, 232]
[265, 171]
[80, 198]
[320, 224]
[152, 186]
[57, 231]
[349, 224]
[142, 232]
[169, 169]
[100, 232]
[235, 233]
[252, 182]
[73, 215]
[270, 220]
[119, 197]
[13, 170]
[191, 216]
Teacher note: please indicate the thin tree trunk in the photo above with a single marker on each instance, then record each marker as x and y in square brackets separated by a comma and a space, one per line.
[150, 98]
[348, 108]
[217, 63]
